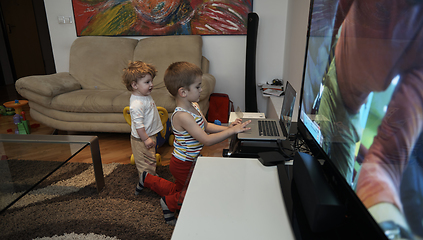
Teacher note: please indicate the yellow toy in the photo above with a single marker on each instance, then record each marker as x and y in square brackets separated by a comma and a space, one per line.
[165, 133]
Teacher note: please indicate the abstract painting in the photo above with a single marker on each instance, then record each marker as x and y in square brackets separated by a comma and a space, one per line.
[161, 17]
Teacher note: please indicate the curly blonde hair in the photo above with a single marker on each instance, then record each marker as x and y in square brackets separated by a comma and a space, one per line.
[135, 71]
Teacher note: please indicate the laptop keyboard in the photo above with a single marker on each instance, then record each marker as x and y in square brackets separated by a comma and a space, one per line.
[268, 128]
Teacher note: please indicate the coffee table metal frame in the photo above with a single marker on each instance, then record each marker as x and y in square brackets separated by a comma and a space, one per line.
[92, 141]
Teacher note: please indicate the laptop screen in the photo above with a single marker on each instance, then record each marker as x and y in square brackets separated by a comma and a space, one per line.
[287, 108]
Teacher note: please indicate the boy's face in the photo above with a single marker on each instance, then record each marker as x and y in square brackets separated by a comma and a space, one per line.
[143, 86]
[194, 90]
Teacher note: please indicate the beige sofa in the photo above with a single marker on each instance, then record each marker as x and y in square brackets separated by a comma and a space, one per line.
[91, 97]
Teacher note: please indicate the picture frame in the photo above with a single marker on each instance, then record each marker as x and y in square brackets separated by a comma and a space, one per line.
[165, 17]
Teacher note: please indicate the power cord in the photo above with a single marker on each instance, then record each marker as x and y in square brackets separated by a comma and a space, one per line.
[300, 145]
[282, 149]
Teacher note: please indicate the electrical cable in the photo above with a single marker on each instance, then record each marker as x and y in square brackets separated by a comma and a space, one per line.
[281, 148]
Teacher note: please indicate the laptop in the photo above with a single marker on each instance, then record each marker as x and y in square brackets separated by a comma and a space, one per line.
[272, 129]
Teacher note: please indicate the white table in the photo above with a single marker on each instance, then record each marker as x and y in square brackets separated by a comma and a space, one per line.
[233, 198]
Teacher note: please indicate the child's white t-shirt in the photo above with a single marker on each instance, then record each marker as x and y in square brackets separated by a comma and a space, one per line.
[144, 114]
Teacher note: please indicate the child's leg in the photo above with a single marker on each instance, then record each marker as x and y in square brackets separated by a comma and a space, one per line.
[145, 159]
[180, 171]
[159, 185]
[168, 215]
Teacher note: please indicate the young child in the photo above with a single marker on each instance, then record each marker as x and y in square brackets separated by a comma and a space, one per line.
[145, 119]
[192, 132]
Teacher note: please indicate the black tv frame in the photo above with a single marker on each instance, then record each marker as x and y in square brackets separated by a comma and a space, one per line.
[358, 223]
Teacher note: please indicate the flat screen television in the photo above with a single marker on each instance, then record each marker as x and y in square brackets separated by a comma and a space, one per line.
[361, 107]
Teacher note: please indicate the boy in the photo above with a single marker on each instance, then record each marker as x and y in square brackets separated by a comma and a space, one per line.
[145, 119]
[192, 131]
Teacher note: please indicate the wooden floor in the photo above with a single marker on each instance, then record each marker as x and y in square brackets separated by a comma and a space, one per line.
[114, 147]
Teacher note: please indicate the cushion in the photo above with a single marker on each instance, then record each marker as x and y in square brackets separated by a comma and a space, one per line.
[165, 50]
[98, 62]
[50, 86]
[91, 101]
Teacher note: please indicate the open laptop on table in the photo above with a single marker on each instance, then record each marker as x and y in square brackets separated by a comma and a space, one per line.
[253, 142]
[272, 129]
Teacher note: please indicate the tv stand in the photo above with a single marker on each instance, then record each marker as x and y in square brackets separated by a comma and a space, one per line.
[300, 191]
[324, 211]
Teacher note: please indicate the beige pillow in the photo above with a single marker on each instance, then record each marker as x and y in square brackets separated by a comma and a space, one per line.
[165, 50]
[98, 62]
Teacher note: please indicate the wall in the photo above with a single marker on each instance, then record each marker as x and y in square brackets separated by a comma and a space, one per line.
[226, 53]
[296, 35]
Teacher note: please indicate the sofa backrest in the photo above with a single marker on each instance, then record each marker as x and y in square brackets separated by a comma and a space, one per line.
[165, 50]
[98, 62]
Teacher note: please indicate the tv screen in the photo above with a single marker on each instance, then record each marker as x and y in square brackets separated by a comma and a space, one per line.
[361, 104]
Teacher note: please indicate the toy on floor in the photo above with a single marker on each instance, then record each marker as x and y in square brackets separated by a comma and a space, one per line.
[22, 125]
[165, 134]
[17, 105]
[7, 111]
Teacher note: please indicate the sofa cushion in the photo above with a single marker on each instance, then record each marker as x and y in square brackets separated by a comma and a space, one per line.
[50, 86]
[94, 101]
[78, 117]
[81, 126]
[98, 62]
[165, 50]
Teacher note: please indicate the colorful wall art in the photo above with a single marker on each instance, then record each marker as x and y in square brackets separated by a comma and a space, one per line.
[161, 17]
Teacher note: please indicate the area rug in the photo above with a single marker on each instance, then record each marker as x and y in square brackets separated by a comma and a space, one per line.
[67, 206]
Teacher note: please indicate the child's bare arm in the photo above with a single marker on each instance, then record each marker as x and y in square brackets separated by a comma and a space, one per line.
[213, 128]
[149, 143]
[187, 122]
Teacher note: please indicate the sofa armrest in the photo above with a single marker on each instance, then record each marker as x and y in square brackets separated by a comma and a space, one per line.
[208, 83]
[205, 64]
[47, 85]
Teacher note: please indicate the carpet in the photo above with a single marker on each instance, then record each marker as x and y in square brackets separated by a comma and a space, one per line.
[67, 206]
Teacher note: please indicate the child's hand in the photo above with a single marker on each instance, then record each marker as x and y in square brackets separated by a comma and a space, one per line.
[149, 143]
[241, 127]
[236, 122]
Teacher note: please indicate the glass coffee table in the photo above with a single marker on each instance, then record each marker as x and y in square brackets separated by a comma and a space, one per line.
[26, 160]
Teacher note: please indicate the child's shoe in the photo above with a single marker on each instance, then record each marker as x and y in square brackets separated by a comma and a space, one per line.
[140, 185]
[168, 215]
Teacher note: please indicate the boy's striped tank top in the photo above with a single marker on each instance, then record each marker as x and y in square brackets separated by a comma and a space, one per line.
[187, 148]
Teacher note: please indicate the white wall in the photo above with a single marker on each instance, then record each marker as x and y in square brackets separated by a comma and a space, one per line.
[296, 35]
[226, 53]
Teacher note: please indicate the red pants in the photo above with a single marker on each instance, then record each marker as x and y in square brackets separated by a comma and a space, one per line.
[181, 171]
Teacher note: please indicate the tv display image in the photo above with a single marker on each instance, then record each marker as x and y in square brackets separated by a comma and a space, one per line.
[361, 104]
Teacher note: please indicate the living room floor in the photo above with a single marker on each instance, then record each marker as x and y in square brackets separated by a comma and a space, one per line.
[114, 147]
